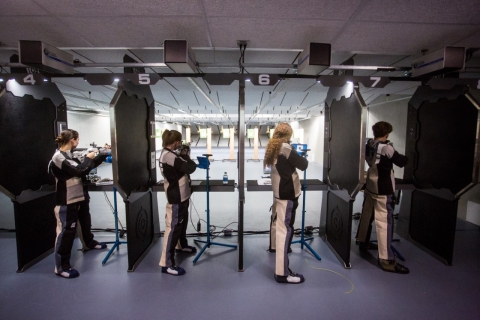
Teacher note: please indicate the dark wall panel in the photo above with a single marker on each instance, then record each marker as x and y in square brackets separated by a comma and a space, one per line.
[35, 226]
[446, 144]
[345, 126]
[27, 133]
[339, 225]
[441, 136]
[132, 143]
[432, 222]
[28, 126]
[139, 227]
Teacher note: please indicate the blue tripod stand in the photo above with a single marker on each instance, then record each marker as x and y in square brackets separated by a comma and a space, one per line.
[303, 240]
[117, 242]
[203, 163]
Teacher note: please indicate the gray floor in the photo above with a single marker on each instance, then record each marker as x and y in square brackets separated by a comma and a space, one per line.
[213, 288]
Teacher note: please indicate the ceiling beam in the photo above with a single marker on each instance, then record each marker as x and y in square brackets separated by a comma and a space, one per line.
[272, 96]
[195, 84]
[214, 65]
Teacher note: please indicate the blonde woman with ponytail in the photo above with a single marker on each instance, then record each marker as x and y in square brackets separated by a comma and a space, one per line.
[286, 187]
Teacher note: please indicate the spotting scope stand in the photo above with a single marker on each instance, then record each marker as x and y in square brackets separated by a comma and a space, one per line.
[204, 163]
[303, 240]
[117, 242]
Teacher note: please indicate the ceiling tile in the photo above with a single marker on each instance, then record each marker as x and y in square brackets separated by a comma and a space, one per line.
[22, 8]
[46, 29]
[472, 40]
[95, 8]
[139, 31]
[271, 33]
[399, 38]
[299, 9]
[425, 11]
[6, 54]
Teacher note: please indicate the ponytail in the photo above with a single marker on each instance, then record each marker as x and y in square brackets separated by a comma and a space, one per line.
[65, 136]
[170, 136]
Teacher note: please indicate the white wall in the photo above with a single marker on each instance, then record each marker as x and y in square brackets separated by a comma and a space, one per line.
[97, 128]
[469, 205]
[91, 128]
[313, 136]
[169, 126]
[473, 212]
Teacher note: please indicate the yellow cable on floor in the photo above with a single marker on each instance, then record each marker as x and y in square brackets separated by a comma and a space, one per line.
[306, 261]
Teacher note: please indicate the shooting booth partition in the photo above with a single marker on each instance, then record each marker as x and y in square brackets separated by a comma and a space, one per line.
[442, 145]
[344, 158]
[31, 116]
[132, 125]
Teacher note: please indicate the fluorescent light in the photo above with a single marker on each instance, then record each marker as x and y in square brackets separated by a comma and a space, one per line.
[319, 81]
[45, 80]
[116, 79]
[1, 80]
[349, 82]
[247, 79]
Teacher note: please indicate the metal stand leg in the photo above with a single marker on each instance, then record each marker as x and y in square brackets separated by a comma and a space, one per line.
[303, 240]
[117, 242]
[207, 242]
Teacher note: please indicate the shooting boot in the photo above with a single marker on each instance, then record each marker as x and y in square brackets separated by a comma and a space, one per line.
[392, 266]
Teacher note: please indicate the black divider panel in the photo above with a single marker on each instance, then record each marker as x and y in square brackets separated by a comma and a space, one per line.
[132, 144]
[29, 115]
[441, 138]
[139, 226]
[345, 126]
[445, 156]
[35, 225]
[339, 224]
[27, 142]
[432, 222]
